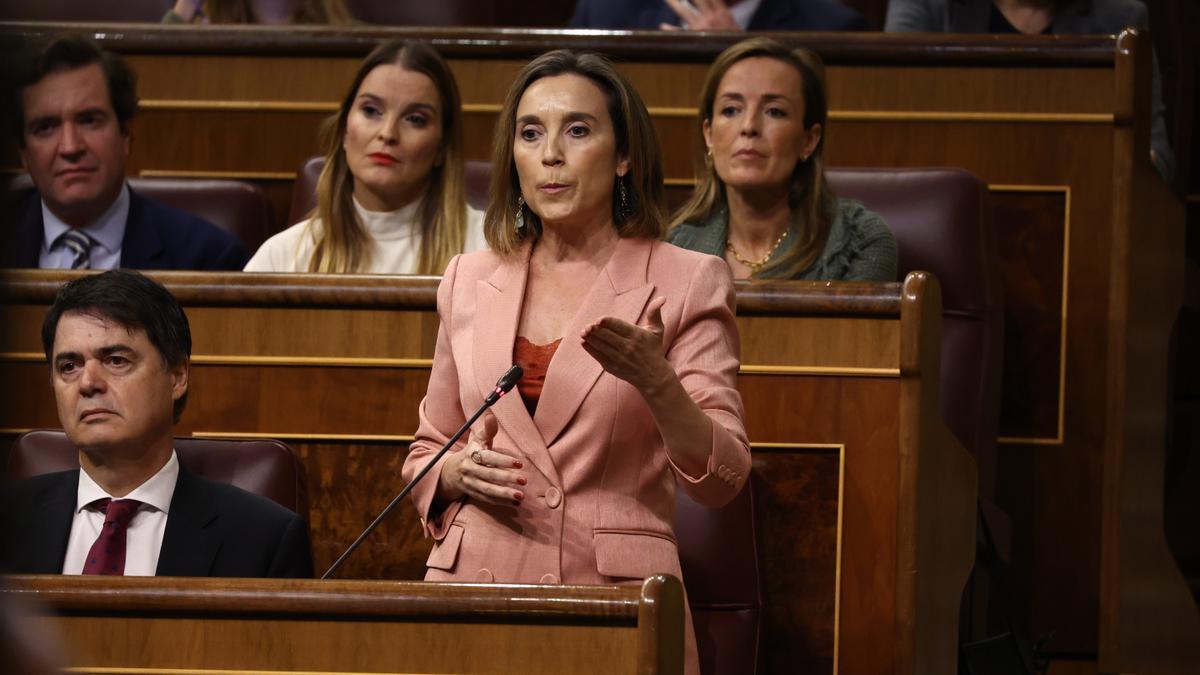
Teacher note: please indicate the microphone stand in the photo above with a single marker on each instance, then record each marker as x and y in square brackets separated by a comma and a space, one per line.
[506, 383]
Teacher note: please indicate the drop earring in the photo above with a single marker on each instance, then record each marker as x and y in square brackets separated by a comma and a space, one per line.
[519, 218]
[624, 197]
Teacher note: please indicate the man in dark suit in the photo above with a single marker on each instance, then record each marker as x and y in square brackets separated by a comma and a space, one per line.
[717, 15]
[74, 106]
[119, 347]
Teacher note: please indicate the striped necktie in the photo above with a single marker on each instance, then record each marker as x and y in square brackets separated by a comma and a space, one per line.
[80, 245]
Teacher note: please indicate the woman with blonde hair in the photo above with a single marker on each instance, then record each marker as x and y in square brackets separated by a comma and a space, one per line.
[628, 345]
[762, 201]
[391, 198]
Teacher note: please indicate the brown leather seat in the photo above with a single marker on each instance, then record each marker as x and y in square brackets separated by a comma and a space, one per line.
[304, 190]
[239, 208]
[940, 218]
[718, 550]
[77, 10]
[263, 467]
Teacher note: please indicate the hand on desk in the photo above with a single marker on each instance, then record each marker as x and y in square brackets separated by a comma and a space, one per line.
[481, 472]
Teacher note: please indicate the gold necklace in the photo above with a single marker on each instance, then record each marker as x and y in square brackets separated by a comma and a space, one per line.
[755, 265]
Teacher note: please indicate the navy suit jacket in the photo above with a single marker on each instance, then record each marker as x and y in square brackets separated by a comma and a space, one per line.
[800, 15]
[157, 237]
[213, 530]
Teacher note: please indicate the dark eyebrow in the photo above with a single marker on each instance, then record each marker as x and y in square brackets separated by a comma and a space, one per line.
[421, 105]
[90, 111]
[570, 117]
[109, 350]
[66, 356]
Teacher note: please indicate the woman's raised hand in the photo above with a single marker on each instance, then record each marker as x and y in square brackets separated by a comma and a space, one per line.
[632, 353]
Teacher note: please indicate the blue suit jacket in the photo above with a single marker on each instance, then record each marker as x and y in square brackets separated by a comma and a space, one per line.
[811, 15]
[157, 237]
[213, 530]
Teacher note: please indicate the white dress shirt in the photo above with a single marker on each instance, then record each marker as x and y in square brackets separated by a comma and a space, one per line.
[106, 232]
[395, 242]
[144, 537]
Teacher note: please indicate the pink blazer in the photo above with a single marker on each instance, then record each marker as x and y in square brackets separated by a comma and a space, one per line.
[600, 499]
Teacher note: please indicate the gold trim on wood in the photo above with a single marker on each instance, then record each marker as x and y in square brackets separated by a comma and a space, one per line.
[1062, 345]
[230, 175]
[239, 106]
[353, 438]
[423, 364]
[107, 670]
[819, 370]
[312, 361]
[837, 570]
[948, 116]
[668, 112]
[794, 446]
[274, 361]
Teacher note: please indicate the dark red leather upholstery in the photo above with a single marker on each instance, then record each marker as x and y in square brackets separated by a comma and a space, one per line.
[77, 10]
[304, 190]
[239, 208]
[718, 549]
[264, 467]
[232, 205]
[941, 221]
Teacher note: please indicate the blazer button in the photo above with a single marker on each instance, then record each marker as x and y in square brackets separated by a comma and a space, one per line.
[549, 579]
[553, 499]
[484, 576]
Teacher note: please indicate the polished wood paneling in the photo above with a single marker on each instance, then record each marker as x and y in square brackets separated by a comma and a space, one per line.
[279, 626]
[1042, 113]
[835, 412]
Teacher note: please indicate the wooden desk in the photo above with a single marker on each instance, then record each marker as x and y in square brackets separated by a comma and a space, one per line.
[1054, 125]
[865, 501]
[183, 625]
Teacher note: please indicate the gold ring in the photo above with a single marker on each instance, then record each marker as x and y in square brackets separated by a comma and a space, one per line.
[476, 457]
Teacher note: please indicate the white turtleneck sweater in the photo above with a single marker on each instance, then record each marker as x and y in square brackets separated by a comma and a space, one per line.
[395, 242]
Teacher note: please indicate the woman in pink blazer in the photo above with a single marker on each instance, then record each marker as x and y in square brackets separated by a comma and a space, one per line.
[573, 481]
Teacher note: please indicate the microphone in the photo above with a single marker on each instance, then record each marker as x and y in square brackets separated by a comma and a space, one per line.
[505, 384]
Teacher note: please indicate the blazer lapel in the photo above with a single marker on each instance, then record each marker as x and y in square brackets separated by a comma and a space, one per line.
[188, 547]
[498, 301]
[47, 544]
[142, 246]
[620, 291]
[969, 16]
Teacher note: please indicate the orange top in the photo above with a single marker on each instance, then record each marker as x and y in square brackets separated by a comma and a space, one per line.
[534, 360]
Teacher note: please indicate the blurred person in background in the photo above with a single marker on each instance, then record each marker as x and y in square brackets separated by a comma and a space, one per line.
[266, 12]
[717, 15]
[1045, 17]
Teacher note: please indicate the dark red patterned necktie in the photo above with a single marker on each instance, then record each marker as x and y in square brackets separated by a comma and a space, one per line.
[107, 555]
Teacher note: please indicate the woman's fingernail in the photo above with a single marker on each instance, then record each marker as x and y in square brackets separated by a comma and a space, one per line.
[518, 495]
[520, 481]
[517, 464]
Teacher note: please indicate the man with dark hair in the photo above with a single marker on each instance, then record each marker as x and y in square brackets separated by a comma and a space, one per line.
[119, 346]
[74, 104]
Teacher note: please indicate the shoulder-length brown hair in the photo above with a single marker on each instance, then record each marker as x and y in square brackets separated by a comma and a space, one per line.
[645, 211]
[342, 244]
[813, 204]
